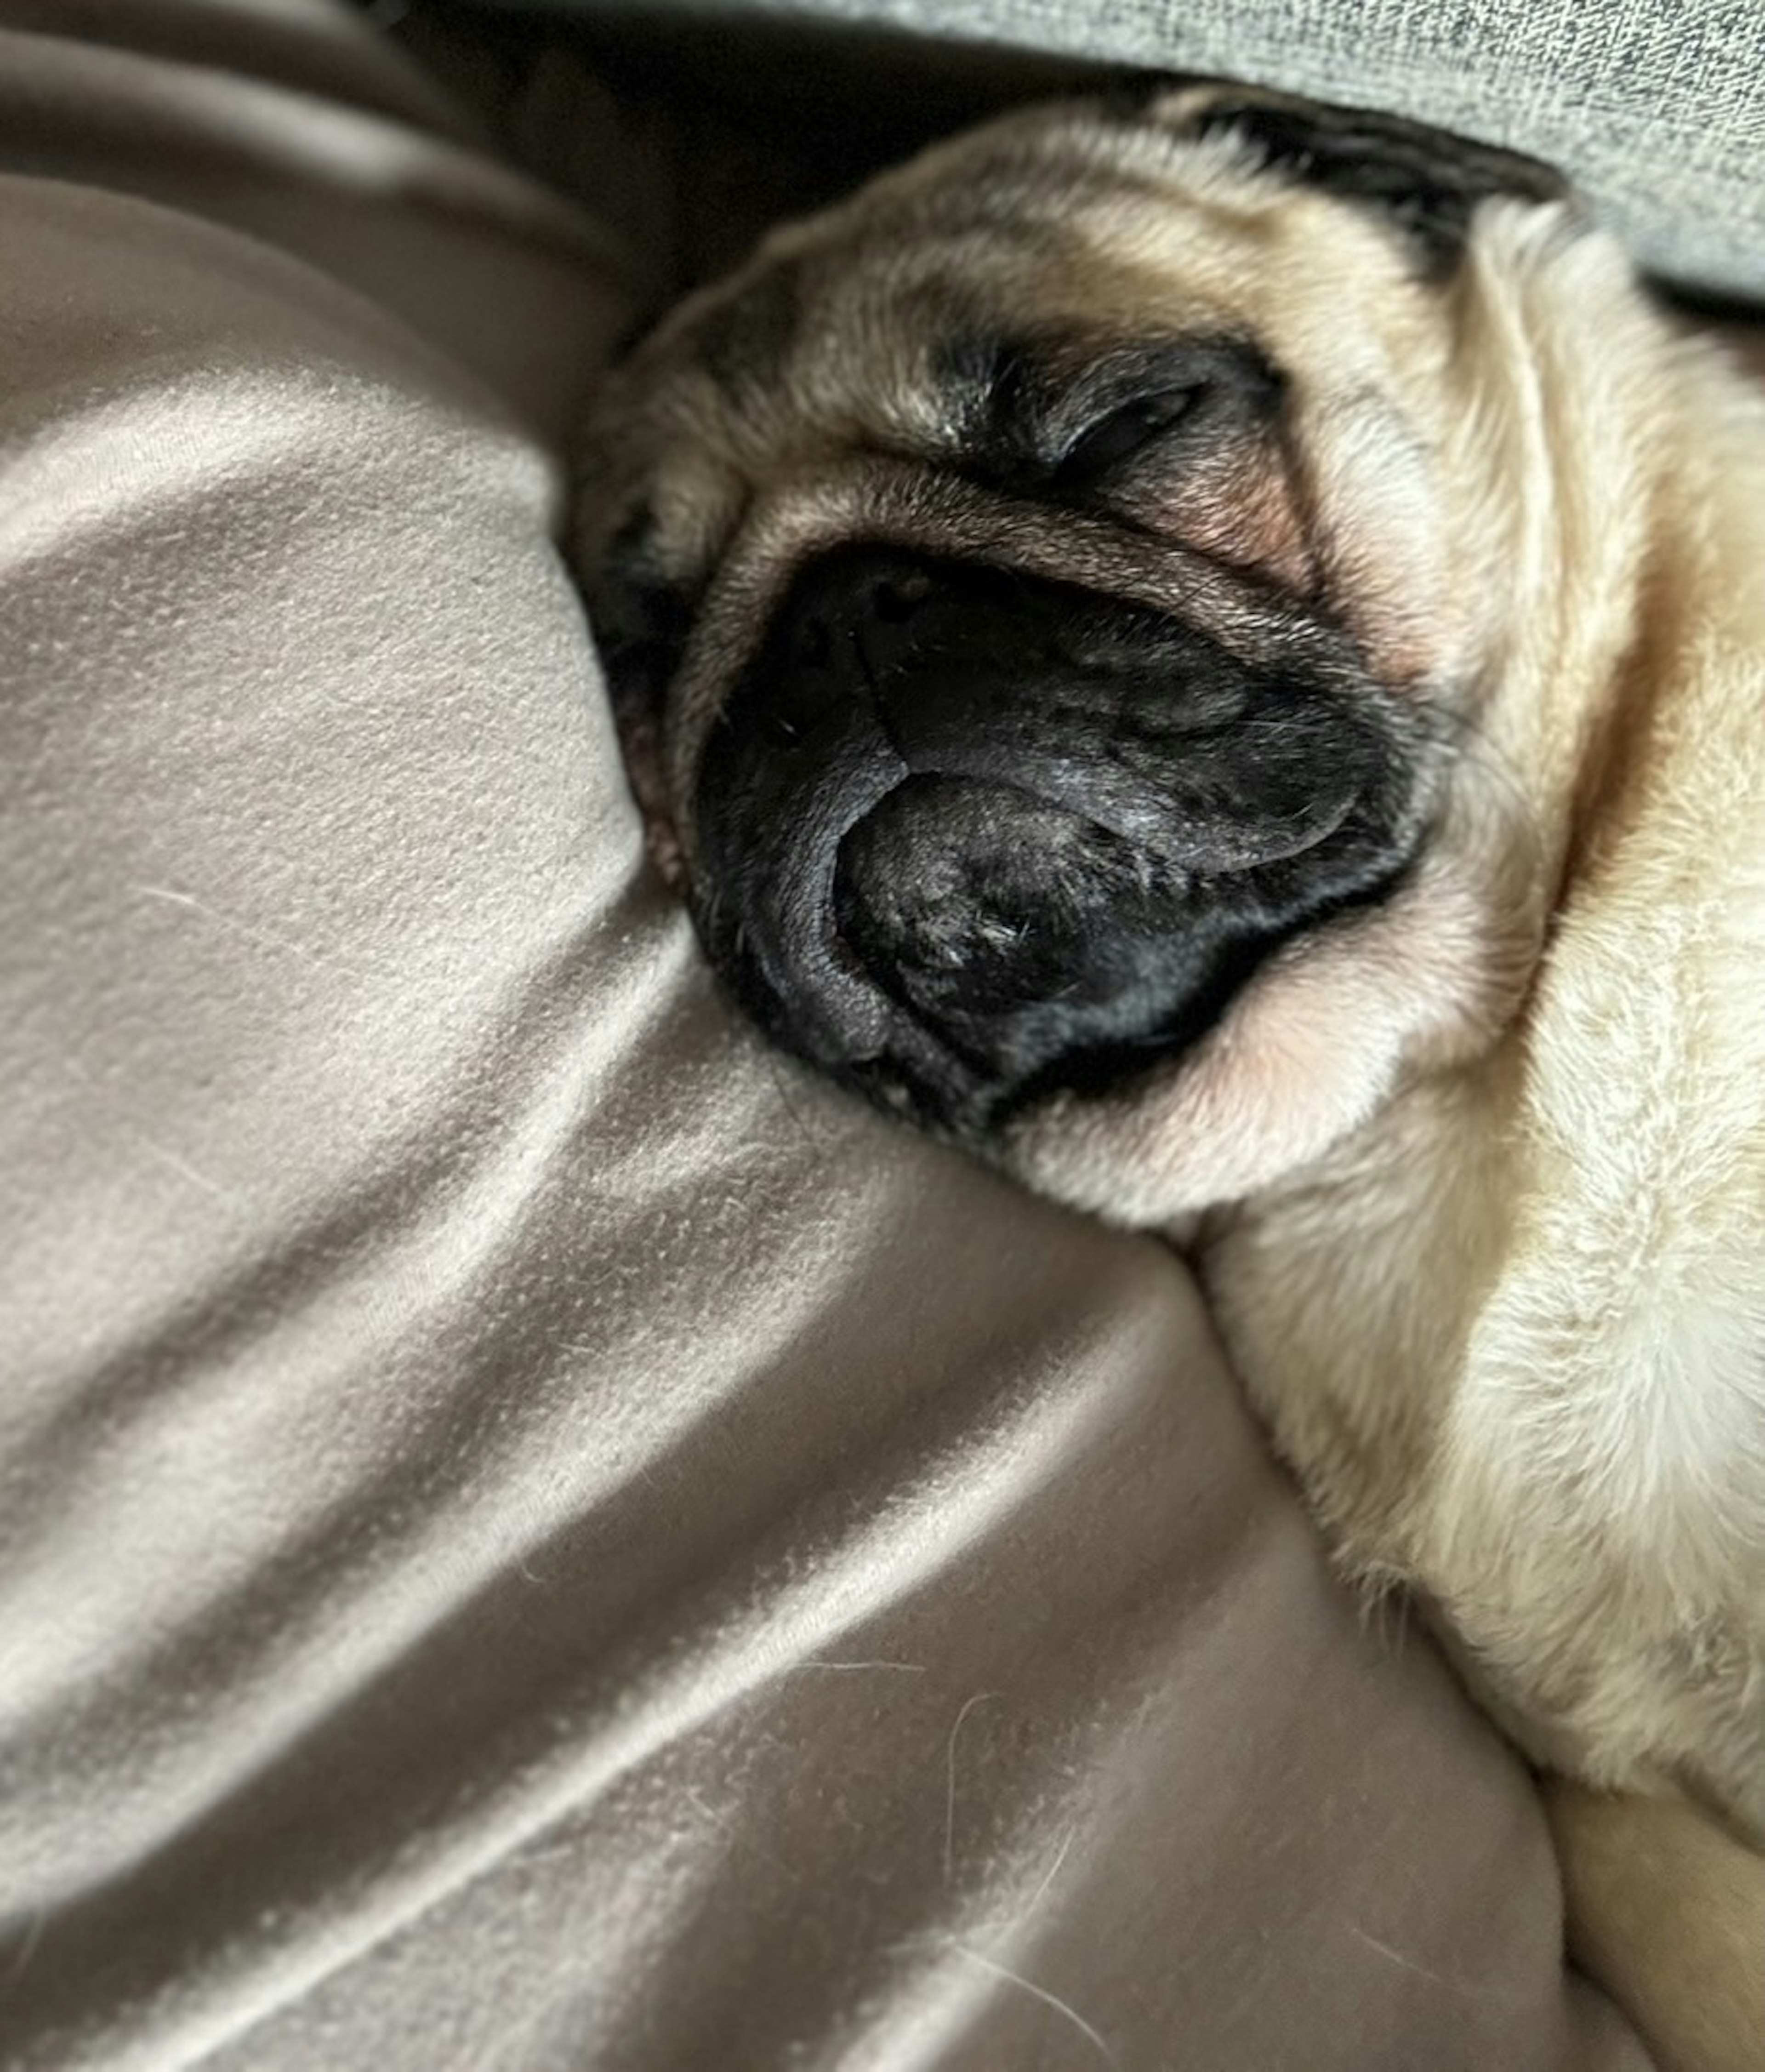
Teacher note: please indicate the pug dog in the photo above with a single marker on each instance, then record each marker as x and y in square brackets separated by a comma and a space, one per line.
[1210, 651]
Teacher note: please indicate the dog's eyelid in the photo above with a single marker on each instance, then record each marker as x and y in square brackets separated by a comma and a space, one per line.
[1126, 429]
[1149, 378]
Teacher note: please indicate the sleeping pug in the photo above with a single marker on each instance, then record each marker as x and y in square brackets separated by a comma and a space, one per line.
[1211, 652]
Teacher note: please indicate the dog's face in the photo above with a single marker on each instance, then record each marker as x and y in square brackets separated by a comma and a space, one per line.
[1047, 601]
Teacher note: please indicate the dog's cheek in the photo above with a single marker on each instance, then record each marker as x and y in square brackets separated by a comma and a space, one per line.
[1380, 531]
[1237, 1116]
[1240, 510]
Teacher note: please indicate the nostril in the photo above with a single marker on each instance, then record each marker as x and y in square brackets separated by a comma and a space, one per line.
[897, 598]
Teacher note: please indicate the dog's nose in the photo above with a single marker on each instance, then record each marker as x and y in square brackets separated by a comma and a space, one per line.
[958, 825]
[995, 916]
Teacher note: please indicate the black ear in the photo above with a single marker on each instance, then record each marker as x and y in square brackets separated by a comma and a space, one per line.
[1426, 181]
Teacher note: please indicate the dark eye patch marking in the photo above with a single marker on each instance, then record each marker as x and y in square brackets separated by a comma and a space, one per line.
[1051, 417]
[993, 388]
[1124, 432]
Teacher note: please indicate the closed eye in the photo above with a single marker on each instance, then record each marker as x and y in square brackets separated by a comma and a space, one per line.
[1123, 433]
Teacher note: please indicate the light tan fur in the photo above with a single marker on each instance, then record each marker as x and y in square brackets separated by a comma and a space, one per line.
[1553, 1254]
[1476, 1179]
[1669, 1911]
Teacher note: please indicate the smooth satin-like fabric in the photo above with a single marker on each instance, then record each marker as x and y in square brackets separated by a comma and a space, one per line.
[530, 1536]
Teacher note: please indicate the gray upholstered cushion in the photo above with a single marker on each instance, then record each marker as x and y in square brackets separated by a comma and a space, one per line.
[1657, 107]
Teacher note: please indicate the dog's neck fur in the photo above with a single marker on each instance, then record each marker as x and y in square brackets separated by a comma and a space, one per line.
[1516, 1317]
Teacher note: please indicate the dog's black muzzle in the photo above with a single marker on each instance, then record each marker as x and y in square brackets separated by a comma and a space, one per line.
[966, 835]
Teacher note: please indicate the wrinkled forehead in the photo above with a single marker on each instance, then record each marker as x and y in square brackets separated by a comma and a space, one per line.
[978, 279]
[971, 246]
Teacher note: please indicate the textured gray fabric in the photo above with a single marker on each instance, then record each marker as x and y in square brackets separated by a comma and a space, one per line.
[527, 1539]
[1657, 107]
